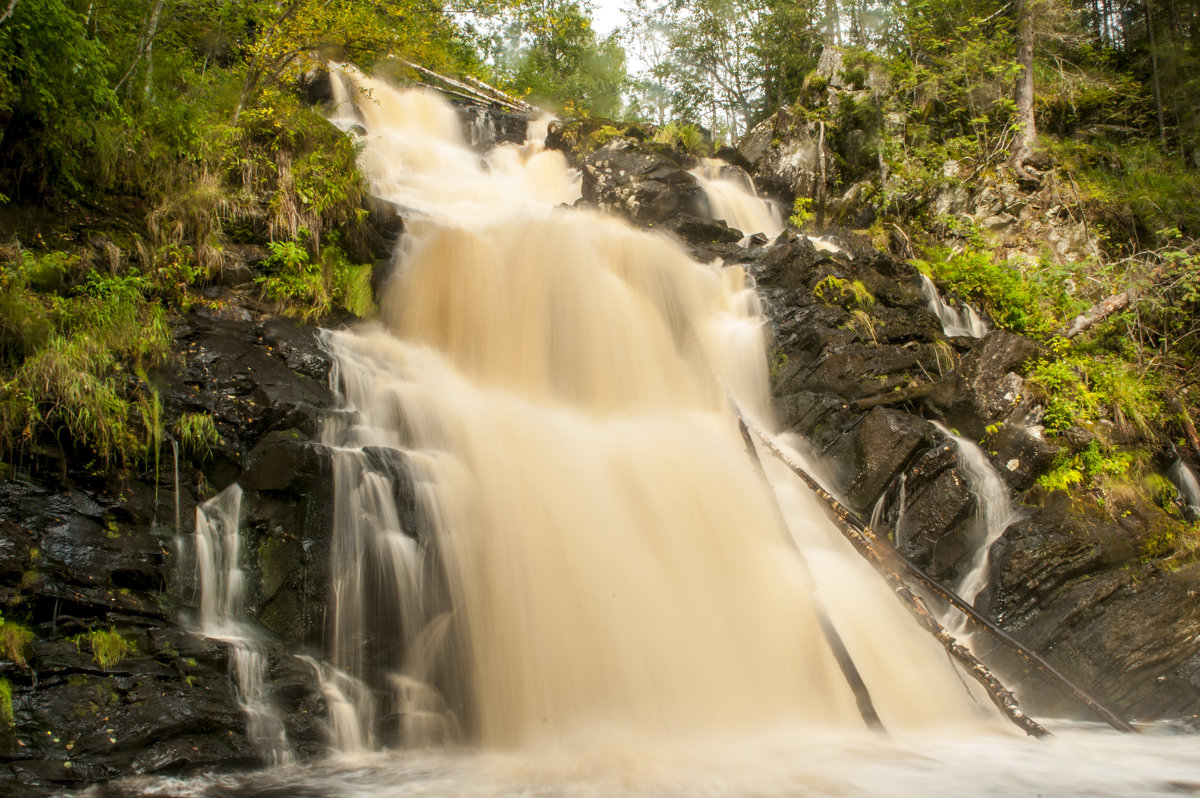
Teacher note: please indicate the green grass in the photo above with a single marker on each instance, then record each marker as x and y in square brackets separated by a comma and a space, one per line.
[13, 639]
[108, 646]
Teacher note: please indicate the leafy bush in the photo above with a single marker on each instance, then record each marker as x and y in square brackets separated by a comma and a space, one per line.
[78, 371]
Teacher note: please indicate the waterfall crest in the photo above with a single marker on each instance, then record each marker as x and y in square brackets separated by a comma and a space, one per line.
[590, 544]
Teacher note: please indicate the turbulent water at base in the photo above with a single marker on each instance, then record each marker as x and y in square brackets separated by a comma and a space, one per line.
[956, 321]
[592, 590]
[218, 547]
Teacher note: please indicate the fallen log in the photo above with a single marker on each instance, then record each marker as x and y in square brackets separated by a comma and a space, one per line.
[862, 695]
[887, 561]
[1098, 313]
[510, 103]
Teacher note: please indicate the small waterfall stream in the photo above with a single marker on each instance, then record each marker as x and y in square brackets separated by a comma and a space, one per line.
[962, 320]
[1184, 479]
[222, 587]
[735, 202]
[994, 512]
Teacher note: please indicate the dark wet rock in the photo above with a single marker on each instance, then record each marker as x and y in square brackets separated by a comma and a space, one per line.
[485, 127]
[987, 386]
[647, 185]
[1078, 588]
[697, 231]
[83, 555]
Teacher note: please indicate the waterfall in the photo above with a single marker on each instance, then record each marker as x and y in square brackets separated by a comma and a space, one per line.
[964, 320]
[218, 558]
[1184, 479]
[884, 504]
[994, 512]
[590, 547]
[736, 202]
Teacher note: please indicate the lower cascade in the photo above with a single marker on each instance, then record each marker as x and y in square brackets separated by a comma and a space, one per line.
[551, 544]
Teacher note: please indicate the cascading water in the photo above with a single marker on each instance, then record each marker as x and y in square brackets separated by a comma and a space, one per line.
[1184, 479]
[956, 321]
[735, 202]
[599, 549]
[218, 548]
[994, 512]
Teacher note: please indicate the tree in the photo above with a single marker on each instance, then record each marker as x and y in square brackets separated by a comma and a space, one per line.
[557, 59]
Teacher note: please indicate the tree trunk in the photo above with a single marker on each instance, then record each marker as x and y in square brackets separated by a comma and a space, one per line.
[1023, 143]
[821, 180]
[1158, 105]
[12, 4]
[833, 25]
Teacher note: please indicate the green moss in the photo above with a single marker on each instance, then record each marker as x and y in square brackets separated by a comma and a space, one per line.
[6, 704]
[833, 290]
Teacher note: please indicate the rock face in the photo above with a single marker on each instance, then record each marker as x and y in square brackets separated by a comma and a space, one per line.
[82, 557]
[645, 185]
[785, 153]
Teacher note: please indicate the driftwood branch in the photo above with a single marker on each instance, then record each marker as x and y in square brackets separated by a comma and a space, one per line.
[894, 397]
[1004, 700]
[12, 4]
[497, 98]
[1099, 312]
[862, 695]
[888, 561]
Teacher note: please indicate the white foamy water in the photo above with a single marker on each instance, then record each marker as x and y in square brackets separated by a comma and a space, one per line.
[1079, 762]
[993, 513]
[956, 321]
[1184, 479]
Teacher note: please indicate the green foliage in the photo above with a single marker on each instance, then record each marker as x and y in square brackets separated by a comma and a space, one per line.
[601, 136]
[351, 283]
[1132, 184]
[308, 287]
[79, 374]
[555, 58]
[686, 137]
[1081, 386]
[197, 434]
[1094, 464]
[108, 646]
[13, 639]
[802, 212]
[1012, 301]
[7, 718]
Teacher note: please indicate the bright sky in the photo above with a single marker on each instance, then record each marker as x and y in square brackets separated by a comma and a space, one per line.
[607, 15]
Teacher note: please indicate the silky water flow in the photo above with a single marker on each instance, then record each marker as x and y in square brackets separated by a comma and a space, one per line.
[557, 571]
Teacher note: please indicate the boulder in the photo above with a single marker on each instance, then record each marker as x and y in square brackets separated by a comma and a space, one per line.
[645, 185]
